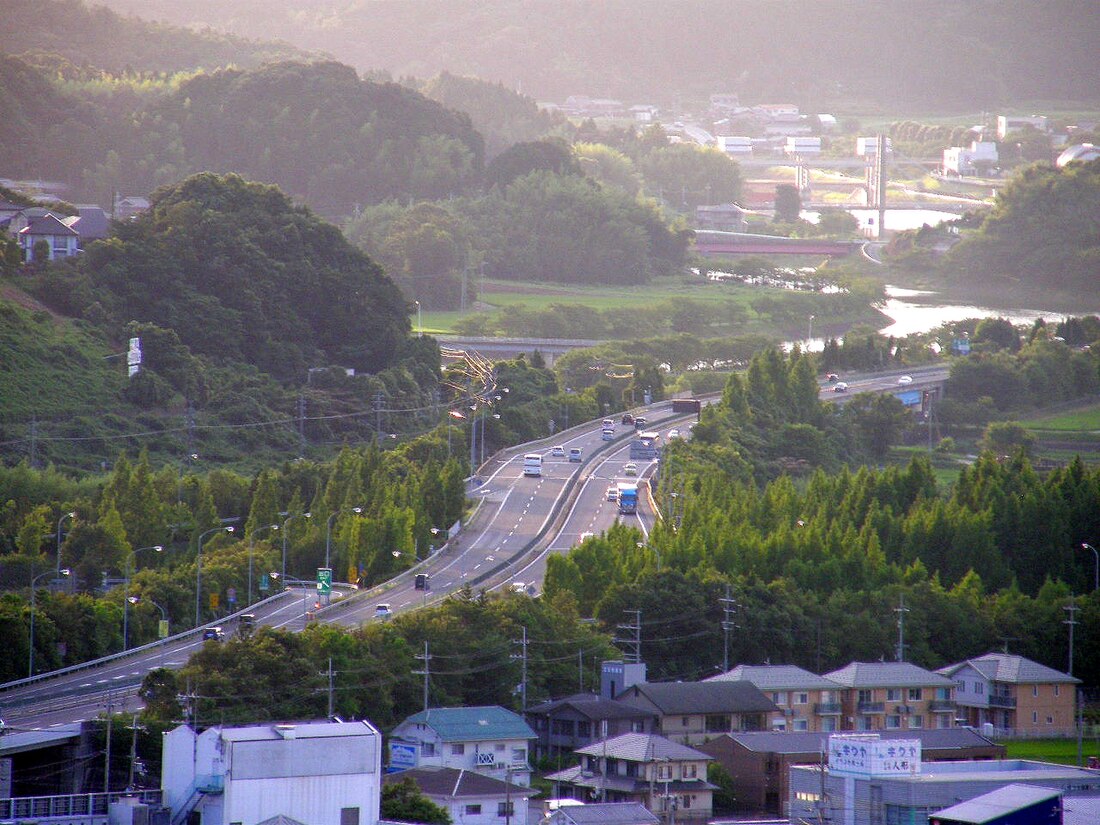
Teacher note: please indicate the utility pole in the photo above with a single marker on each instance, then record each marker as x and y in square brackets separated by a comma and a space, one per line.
[634, 641]
[379, 403]
[901, 610]
[1072, 609]
[133, 751]
[107, 756]
[331, 690]
[729, 606]
[302, 422]
[34, 441]
[426, 672]
[522, 656]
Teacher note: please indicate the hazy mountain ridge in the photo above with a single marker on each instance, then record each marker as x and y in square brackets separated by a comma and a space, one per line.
[892, 54]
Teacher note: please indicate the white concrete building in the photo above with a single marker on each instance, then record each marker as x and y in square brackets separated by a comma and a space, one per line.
[489, 740]
[868, 146]
[1011, 123]
[735, 144]
[960, 160]
[802, 146]
[320, 773]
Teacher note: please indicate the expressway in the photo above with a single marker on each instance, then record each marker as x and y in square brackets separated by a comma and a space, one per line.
[516, 523]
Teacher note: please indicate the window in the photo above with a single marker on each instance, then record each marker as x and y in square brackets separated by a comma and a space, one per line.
[349, 816]
[499, 747]
[1035, 716]
[717, 723]
[687, 800]
[865, 695]
[584, 730]
[473, 810]
[801, 724]
[893, 722]
[458, 750]
[684, 721]
[1034, 690]
[979, 688]
[802, 698]
[828, 724]
[916, 722]
[637, 726]
[506, 808]
[1057, 692]
[689, 771]
[664, 770]
[916, 694]
[519, 755]
[632, 769]
[943, 693]
[427, 748]
[779, 697]
[893, 694]
[962, 685]
[863, 723]
[1050, 720]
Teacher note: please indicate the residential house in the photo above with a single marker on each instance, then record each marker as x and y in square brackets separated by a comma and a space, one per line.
[321, 773]
[489, 740]
[130, 207]
[760, 762]
[91, 224]
[602, 813]
[564, 725]
[693, 712]
[664, 776]
[807, 702]
[893, 696]
[470, 798]
[61, 240]
[1013, 694]
[980, 157]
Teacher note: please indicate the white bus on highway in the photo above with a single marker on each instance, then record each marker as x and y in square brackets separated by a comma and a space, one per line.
[532, 464]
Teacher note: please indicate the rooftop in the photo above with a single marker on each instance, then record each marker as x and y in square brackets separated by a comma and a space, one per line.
[703, 697]
[998, 803]
[1004, 667]
[591, 706]
[642, 747]
[811, 742]
[607, 813]
[887, 674]
[776, 677]
[473, 724]
[297, 730]
[455, 783]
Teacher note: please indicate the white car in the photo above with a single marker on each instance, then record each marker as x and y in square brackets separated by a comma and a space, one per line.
[557, 452]
[382, 611]
[905, 379]
[840, 386]
[612, 493]
[609, 423]
[673, 433]
[630, 469]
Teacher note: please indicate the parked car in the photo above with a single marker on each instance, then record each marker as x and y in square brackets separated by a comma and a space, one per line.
[840, 386]
[557, 452]
[905, 379]
[630, 469]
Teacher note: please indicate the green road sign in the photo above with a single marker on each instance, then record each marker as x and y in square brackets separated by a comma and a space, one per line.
[324, 580]
[265, 583]
[162, 629]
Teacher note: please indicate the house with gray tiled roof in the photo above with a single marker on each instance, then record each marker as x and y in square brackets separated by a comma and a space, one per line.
[666, 777]
[603, 813]
[563, 725]
[471, 798]
[893, 696]
[1013, 694]
[60, 239]
[692, 712]
[807, 702]
[490, 740]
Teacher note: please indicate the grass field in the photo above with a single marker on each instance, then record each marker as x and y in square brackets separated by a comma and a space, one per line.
[1061, 751]
[1083, 420]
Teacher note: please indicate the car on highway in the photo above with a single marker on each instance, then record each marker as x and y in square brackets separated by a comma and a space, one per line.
[905, 380]
[640, 422]
[627, 419]
[840, 386]
[382, 611]
[608, 424]
[575, 455]
[673, 433]
[630, 469]
[612, 493]
[215, 634]
[832, 377]
[557, 452]
[607, 434]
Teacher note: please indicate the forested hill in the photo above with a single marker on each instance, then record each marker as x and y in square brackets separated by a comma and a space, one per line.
[893, 53]
[94, 37]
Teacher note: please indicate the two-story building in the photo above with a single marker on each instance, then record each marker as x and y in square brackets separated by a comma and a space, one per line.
[470, 798]
[666, 777]
[806, 701]
[1013, 694]
[490, 740]
[893, 696]
[60, 240]
[693, 712]
[564, 725]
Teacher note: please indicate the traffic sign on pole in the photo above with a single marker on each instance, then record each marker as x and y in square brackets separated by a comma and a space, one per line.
[324, 581]
[265, 583]
[162, 629]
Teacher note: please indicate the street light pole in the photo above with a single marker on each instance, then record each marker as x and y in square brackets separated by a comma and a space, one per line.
[198, 569]
[130, 559]
[1096, 574]
[251, 547]
[419, 323]
[285, 523]
[34, 581]
[63, 517]
[328, 532]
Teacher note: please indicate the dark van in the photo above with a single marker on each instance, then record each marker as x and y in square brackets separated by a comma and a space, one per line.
[422, 582]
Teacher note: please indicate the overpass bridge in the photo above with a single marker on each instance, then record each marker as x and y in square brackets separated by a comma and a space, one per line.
[711, 242]
[502, 348]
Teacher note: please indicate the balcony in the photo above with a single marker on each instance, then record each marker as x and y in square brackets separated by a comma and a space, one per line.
[870, 707]
[996, 701]
[827, 708]
[942, 706]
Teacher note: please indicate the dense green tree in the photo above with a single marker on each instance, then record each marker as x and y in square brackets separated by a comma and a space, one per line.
[685, 175]
[522, 159]
[402, 801]
[788, 203]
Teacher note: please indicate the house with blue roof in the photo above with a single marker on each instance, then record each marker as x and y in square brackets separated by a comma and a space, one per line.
[490, 740]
